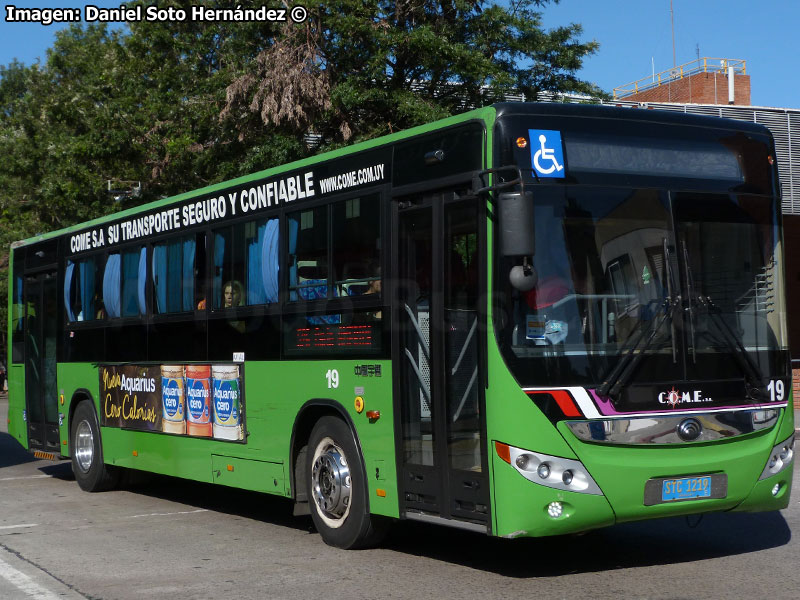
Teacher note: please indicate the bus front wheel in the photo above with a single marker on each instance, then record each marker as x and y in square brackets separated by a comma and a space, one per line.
[90, 472]
[337, 490]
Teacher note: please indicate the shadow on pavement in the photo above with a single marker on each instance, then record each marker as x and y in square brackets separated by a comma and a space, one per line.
[11, 453]
[252, 505]
[664, 541]
[59, 470]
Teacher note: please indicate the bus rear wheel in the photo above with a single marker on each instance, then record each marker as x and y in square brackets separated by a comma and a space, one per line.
[337, 488]
[91, 473]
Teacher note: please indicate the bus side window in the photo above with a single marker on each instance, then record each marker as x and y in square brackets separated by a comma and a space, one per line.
[17, 313]
[308, 254]
[200, 285]
[356, 245]
[262, 245]
[83, 284]
[174, 275]
[111, 285]
[228, 268]
[134, 275]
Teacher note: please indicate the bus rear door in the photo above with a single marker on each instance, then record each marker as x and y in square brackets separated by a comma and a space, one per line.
[41, 394]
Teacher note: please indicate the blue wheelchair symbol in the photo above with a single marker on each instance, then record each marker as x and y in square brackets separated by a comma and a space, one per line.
[547, 155]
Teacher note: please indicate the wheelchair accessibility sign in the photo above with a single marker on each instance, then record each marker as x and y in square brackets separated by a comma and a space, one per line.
[547, 154]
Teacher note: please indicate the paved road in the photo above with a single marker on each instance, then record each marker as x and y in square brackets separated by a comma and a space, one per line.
[167, 538]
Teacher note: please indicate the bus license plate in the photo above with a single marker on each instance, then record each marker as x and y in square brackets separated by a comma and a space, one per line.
[686, 488]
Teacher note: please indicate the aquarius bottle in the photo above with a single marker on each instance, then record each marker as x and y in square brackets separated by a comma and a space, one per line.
[198, 400]
[226, 389]
[173, 401]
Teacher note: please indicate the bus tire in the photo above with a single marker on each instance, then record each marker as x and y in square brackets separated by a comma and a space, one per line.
[337, 488]
[91, 473]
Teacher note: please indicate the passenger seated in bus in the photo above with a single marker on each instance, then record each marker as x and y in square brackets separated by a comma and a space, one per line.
[374, 285]
[101, 309]
[232, 294]
[373, 288]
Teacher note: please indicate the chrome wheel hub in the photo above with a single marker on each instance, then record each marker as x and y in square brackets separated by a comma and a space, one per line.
[84, 446]
[330, 481]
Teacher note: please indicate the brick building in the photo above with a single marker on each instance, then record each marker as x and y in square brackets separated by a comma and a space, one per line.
[703, 81]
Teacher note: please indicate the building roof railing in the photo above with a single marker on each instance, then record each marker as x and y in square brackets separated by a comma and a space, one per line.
[701, 65]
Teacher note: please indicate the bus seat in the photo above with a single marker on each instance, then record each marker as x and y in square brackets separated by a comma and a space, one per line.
[355, 279]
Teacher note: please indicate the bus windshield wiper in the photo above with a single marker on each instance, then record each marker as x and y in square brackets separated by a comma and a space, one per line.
[627, 365]
[754, 378]
[621, 373]
[691, 296]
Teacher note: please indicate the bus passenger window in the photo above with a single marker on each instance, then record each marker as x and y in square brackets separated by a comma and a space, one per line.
[229, 262]
[200, 289]
[262, 247]
[356, 245]
[17, 313]
[134, 275]
[308, 254]
[83, 284]
[111, 295]
[174, 275]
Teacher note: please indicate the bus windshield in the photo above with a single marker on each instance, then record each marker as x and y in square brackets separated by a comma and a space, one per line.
[692, 277]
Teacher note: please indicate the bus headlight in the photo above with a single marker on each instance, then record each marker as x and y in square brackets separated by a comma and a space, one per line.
[543, 470]
[779, 459]
[551, 471]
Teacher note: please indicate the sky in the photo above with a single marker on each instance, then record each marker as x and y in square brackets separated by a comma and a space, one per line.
[635, 39]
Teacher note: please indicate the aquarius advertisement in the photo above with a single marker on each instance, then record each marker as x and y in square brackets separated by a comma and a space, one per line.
[194, 400]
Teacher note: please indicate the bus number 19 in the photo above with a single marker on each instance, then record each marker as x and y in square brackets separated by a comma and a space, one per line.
[333, 378]
[775, 388]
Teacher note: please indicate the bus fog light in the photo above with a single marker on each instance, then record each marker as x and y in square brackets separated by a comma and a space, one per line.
[566, 477]
[543, 470]
[776, 488]
[554, 509]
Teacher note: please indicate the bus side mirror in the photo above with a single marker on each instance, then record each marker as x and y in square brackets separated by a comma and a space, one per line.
[518, 236]
[517, 233]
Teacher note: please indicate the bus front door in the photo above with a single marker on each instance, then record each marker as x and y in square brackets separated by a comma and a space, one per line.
[41, 394]
[437, 347]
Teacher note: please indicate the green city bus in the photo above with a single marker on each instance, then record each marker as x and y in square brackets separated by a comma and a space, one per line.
[525, 320]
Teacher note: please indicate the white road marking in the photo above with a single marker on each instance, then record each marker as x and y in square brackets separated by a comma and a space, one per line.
[25, 477]
[19, 526]
[169, 514]
[24, 583]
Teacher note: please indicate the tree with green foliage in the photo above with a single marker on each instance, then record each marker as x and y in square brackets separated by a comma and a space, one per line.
[358, 69]
[180, 105]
